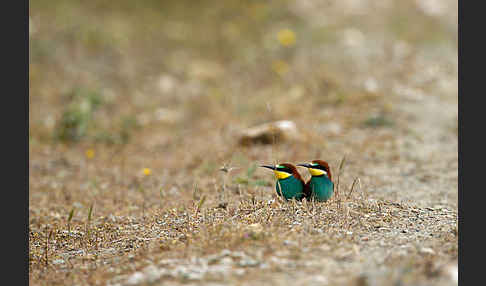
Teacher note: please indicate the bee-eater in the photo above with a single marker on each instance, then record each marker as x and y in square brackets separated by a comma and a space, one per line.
[320, 185]
[289, 182]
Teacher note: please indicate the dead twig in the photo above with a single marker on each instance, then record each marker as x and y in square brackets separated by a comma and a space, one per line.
[341, 165]
[48, 237]
[352, 187]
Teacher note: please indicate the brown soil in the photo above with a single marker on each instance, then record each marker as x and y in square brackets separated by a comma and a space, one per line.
[374, 84]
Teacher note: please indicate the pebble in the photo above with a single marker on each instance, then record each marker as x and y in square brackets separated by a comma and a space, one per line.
[248, 262]
[426, 250]
[152, 273]
[452, 271]
[135, 278]
[290, 242]
[58, 261]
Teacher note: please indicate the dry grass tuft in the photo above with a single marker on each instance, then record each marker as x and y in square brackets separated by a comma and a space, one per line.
[137, 177]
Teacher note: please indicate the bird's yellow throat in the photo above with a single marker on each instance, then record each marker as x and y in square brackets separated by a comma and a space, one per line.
[281, 175]
[317, 172]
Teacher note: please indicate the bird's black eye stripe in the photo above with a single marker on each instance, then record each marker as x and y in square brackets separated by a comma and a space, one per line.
[284, 168]
[319, 167]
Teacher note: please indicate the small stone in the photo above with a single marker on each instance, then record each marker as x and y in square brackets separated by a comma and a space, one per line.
[269, 133]
[320, 279]
[226, 261]
[426, 250]
[248, 262]
[58, 261]
[238, 254]
[289, 242]
[135, 278]
[194, 276]
[371, 85]
[152, 273]
[452, 272]
[166, 83]
[225, 252]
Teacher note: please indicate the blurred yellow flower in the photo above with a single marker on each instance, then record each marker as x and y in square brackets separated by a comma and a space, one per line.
[280, 67]
[147, 171]
[90, 153]
[286, 37]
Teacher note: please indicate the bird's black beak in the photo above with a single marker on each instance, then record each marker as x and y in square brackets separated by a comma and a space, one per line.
[305, 165]
[268, 166]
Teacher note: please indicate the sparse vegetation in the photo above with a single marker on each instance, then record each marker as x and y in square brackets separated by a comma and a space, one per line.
[78, 114]
[146, 182]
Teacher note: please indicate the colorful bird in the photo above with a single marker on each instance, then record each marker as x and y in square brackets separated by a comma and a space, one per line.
[289, 184]
[320, 186]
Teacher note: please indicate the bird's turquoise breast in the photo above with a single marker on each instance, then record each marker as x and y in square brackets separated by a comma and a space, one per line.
[291, 188]
[321, 188]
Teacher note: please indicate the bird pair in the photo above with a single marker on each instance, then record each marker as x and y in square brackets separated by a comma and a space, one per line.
[290, 184]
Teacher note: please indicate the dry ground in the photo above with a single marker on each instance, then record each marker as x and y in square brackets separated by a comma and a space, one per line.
[166, 87]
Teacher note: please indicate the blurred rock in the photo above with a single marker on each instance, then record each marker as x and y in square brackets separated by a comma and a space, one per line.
[135, 278]
[167, 83]
[248, 262]
[58, 261]
[371, 85]
[426, 250]
[452, 272]
[290, 243]
[152, 273]
[317, 280]
[268, 133]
